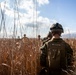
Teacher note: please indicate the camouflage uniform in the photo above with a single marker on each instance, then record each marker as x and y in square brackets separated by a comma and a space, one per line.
[69, 53]
[43, 57]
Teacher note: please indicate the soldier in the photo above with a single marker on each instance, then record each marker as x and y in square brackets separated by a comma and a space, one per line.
[56, 54]
[49, 36]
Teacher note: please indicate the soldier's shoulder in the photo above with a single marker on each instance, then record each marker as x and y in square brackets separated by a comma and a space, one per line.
[66, 44]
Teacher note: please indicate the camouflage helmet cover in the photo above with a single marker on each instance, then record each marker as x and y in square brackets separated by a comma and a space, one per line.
[57, 27]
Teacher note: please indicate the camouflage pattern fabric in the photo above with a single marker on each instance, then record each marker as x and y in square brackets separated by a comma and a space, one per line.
[44, 48]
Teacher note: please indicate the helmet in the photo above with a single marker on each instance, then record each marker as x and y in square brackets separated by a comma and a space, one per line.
[57, 27]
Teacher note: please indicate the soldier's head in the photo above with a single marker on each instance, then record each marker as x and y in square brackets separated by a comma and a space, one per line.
[24, 35]
[56, 29]
[39, 37]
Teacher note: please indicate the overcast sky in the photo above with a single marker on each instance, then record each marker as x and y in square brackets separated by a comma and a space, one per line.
[33, 17]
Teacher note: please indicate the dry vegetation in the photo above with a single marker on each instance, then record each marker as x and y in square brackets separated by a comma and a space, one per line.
[21, 56]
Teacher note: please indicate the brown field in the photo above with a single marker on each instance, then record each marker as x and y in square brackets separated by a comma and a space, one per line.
[21, 56]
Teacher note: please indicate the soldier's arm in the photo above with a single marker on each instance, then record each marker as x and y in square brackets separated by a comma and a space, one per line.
[43, 55]
[69, 55]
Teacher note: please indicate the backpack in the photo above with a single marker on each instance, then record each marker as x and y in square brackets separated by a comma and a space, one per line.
[56, 55]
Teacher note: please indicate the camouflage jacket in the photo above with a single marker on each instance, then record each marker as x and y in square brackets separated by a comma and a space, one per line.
[69, 53]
